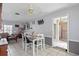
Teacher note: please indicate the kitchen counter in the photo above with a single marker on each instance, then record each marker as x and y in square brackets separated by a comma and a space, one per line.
[3, 41]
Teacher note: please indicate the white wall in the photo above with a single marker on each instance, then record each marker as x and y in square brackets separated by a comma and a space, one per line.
[43, 28]
[73, 12]
[74, 23]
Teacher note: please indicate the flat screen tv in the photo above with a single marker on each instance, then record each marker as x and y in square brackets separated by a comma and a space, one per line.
[40, 21]
[16, 25]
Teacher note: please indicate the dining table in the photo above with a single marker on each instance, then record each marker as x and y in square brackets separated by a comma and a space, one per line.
[35, 38]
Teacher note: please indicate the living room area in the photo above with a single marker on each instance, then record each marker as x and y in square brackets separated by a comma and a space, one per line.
[27, 29]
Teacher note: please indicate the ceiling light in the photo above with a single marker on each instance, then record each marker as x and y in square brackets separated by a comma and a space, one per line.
[30, 10]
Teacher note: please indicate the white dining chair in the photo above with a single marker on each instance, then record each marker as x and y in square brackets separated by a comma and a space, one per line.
[43, 40]
[40, 42]
[25, 43]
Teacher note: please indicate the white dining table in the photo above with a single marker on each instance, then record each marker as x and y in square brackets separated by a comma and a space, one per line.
[34, 39]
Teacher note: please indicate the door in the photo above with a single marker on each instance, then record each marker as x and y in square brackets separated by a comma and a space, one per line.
[63, 31]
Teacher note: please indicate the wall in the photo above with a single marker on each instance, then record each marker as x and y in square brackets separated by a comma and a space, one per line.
[73, 13]
[44, 29]
[74, 30]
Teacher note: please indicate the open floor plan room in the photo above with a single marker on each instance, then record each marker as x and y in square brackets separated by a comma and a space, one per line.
[39, 29]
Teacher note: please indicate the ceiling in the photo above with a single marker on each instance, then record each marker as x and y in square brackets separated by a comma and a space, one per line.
[39, 10]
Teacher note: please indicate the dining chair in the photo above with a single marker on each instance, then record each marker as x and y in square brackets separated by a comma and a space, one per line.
[26, 42]
[43, 40]
[40, 42]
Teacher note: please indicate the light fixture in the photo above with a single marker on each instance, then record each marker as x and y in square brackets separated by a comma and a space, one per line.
[30, 10]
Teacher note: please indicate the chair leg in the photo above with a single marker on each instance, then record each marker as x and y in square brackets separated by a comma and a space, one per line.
[41, 45]
[16, 40]
[26, 47]
[37, 50]
[33, 48]
[23, 45]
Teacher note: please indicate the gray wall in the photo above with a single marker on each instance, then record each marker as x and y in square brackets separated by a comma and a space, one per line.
[48, 41]
[44, 29]
[73, 25]
[73, 13]
[74, 47]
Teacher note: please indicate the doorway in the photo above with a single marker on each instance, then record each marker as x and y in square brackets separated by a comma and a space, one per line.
[63, 31]
[60, 26]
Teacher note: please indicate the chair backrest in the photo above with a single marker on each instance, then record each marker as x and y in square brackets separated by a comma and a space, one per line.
[25, 38]
[40, 36]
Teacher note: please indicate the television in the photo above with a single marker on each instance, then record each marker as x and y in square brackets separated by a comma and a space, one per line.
[40, 21]
[16, 25]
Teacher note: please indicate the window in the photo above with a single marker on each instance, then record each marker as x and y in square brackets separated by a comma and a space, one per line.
[1, 30]
[6, 29]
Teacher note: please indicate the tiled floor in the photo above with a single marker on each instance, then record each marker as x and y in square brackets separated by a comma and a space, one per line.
[15, 49]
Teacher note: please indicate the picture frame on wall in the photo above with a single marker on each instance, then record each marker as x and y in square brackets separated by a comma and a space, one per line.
[16, 25]
[28, 26]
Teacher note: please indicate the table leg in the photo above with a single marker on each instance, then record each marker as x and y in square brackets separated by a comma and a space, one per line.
[33, 48]
[43, 43]
[37, 50]
[22, 44]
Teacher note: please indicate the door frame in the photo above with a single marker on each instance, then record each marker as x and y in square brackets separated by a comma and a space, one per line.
[53, 20]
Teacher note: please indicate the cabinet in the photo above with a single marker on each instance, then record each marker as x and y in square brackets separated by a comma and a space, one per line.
[3, 47]
[3, 50]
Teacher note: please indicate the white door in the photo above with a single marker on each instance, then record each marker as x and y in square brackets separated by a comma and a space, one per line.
[56, 31]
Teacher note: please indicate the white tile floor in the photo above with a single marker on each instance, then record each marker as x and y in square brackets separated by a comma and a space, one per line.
[15, 49]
